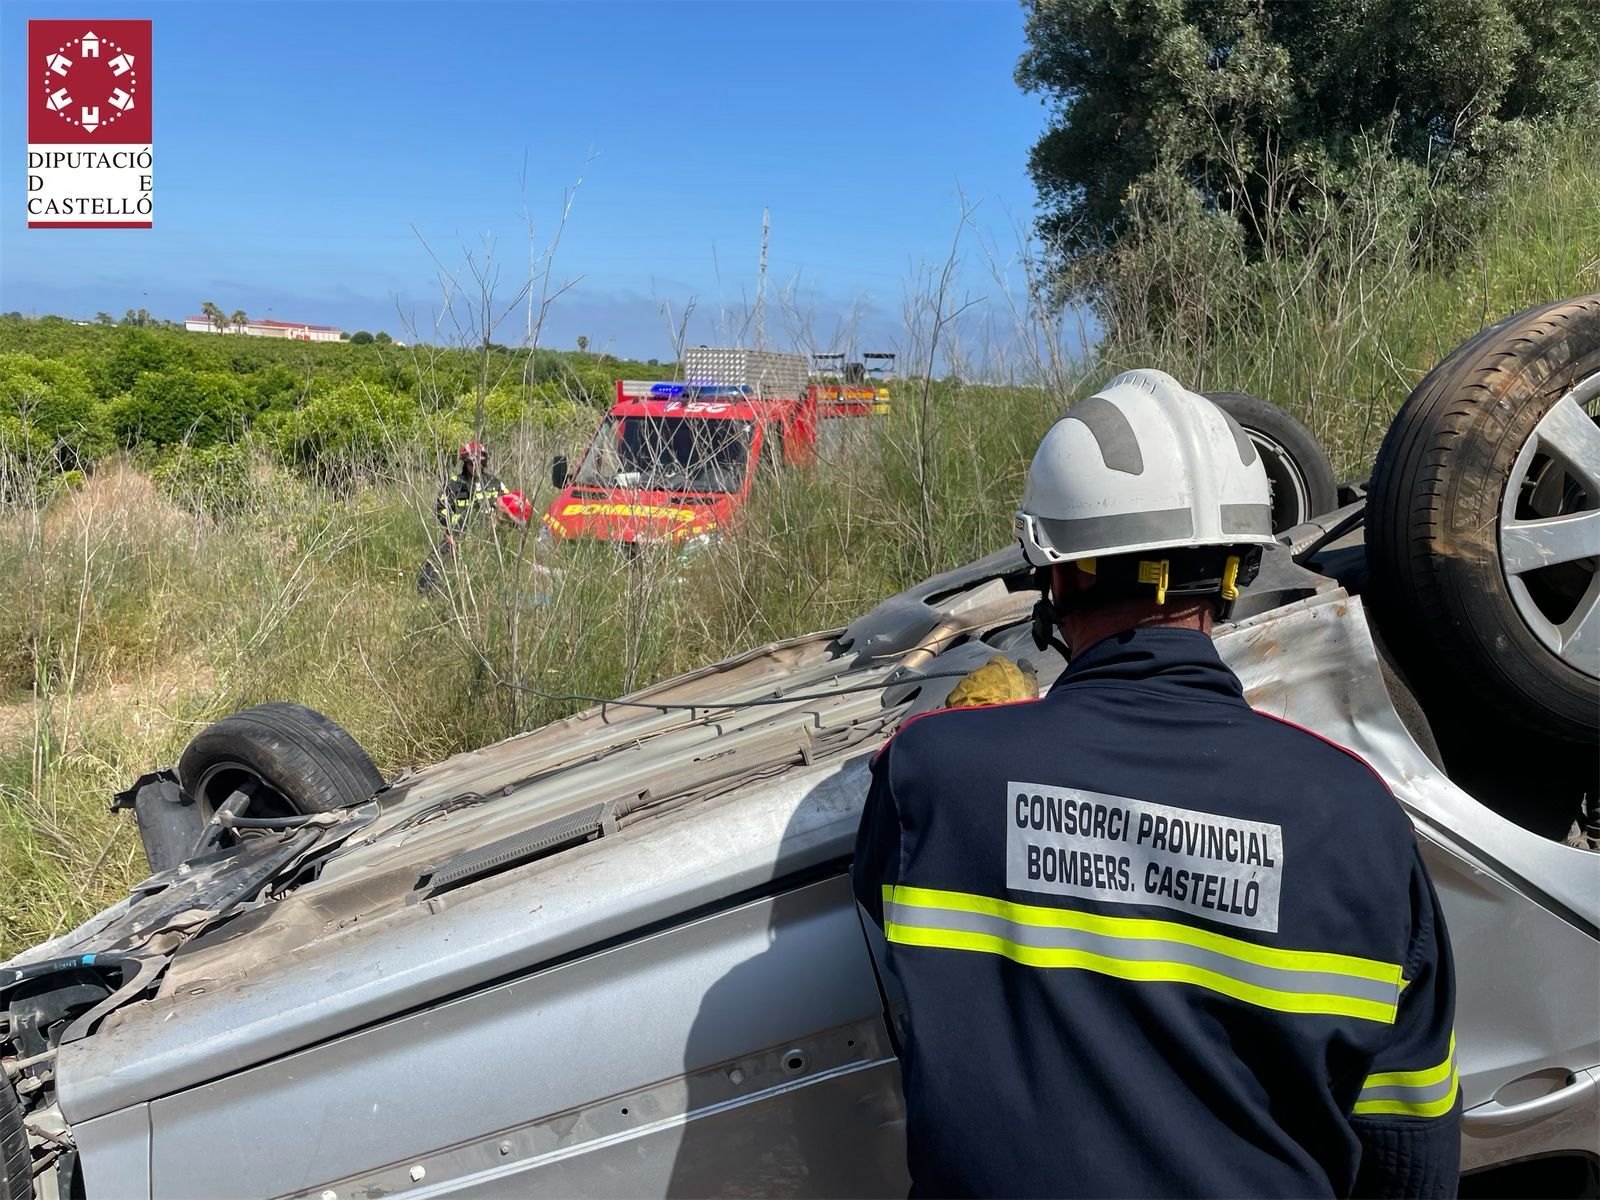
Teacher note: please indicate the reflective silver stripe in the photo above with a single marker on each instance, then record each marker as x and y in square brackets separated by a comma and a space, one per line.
[1141, 949]
[1247, 520]
[1117, 529]
[1430, 1092]
[1144, 950]
[1413, 1095]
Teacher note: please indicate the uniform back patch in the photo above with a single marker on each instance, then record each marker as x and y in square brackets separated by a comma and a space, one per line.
[1070, 842]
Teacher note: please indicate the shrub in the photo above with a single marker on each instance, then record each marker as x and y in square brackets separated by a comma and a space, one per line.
[136, 352]
[342, 430]
[176, 405]
[273, 386]
[56, 405]
[207, 479]
[508, 407]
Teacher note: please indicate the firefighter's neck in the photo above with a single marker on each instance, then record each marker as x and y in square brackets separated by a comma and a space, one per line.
[1083, 628]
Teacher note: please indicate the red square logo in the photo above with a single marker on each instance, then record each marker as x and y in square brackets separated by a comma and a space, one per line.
[90, 162]
[89, 82]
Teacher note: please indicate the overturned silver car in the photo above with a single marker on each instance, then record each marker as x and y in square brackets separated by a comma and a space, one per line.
[619, 955]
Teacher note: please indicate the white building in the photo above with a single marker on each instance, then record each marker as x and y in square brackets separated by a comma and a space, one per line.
[297, 330]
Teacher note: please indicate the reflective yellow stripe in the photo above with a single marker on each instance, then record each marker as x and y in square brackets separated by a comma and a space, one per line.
[1430, 1092]
[1422, 1078]
[1140, 927]
[1410, 1108]
[1138, 949]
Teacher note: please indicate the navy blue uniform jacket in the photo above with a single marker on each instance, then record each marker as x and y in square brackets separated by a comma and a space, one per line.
[1154, 943]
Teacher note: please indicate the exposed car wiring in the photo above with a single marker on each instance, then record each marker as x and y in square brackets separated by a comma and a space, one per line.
[11, 976]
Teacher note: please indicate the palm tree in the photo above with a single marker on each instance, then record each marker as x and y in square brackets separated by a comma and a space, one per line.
[105, 318]
[583, 344]
[215, 315]
[239, 320]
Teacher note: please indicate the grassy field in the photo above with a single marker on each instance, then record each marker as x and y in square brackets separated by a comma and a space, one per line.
[153, 595]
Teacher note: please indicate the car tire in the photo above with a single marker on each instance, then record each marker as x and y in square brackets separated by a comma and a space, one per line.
[1478, 587]
[296, 759]
[1406, 706]
[1297, 467]
[16, 1162]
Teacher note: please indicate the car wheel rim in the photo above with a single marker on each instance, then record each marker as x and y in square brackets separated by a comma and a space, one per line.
[222, 779]
[1288, 482]
[1550, 529]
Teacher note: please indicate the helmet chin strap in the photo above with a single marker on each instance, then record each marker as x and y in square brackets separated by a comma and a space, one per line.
[1047, 620]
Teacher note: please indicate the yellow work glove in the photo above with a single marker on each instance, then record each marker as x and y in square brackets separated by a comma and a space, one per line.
[998, 681]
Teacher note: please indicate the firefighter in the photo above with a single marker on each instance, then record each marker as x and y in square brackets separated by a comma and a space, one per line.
[472, 489]
[1153, 942]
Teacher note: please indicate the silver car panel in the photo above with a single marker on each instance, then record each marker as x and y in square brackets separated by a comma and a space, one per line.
[769, 976]
[821, 1116]
[423, 953]
[115, 1154]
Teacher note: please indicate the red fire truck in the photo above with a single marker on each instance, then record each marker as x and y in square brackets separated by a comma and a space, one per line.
[674, 462]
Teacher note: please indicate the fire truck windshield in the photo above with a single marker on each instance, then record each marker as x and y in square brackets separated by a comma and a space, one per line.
[676, 454]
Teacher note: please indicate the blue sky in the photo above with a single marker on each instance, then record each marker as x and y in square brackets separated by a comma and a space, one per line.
[296, 146]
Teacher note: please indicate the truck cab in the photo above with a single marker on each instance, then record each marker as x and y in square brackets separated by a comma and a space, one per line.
[672, 461]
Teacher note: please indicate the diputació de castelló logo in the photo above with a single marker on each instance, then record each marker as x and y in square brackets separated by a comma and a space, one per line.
[89, 145]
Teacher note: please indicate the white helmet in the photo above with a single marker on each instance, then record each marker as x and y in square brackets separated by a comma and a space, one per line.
[1143, 464]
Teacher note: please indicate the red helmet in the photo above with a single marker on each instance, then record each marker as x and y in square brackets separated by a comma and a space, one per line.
[475, 453]
[514, 506]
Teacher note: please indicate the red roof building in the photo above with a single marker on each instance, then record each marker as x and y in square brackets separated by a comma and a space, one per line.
[296, 330]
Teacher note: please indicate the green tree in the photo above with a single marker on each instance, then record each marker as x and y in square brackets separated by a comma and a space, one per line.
[1261, 110]
[361, 338]
[583, 344]
[382, 338]
[238, 320]
[105, 318]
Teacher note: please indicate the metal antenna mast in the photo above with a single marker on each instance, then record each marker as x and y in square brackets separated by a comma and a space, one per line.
[761, 279]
